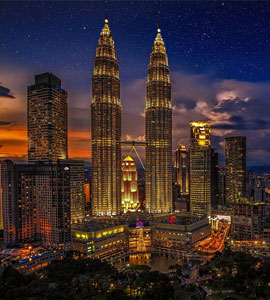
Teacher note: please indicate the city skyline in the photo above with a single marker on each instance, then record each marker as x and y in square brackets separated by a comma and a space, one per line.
[126, 121]
[226, 99]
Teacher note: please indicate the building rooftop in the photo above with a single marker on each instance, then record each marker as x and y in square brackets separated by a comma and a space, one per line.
[97, 224]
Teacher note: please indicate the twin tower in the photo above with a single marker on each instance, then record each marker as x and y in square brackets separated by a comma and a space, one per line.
[106, 130]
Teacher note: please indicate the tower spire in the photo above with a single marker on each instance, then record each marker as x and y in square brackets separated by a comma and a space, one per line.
[106, 128]
[158, 130]
[158, 29]
[106, 12]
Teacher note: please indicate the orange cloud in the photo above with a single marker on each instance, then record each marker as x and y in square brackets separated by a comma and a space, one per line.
[13, 142]
[79, 144]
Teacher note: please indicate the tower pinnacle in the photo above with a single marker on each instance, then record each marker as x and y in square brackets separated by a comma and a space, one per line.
[106, 12]
[158, 29]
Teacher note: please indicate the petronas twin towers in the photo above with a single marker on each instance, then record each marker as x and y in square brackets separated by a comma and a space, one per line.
[106, 130]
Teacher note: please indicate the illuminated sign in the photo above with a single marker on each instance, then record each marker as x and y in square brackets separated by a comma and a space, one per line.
[139, 224]
[172, 219]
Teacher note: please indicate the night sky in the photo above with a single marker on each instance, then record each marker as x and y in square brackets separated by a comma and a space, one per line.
[219, 56]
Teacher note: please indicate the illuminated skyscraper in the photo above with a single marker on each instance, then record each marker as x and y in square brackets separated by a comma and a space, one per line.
[106, 128]
[158, 131]
[235, 152]
[46, 119]
[181, 169]
[130, 192]
[200, 169]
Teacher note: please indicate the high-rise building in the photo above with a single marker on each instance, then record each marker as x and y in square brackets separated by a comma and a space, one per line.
[235, 152]
[221, 185]
[214, 178]
[52, 182]
[87, 187]
[1, 202]
[200, 169]
[46, 119]
[19, 202]
[258, 189]
[130, 191]
[181, 169]
[247, 221]
[106, 128]
[77, 197]
[36, 203]
[158, 131]
[249, 184]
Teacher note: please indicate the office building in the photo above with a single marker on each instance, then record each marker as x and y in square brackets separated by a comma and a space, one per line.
[77, 189]
[87, 186]
[36, 204]
[158, 131]
[258, 189]
[106, 128]
[247, 221]
[221, 185]
[214, 179]
[181, 169]
[1, 201]
[235, 152]
[47, 119]
[129, 189]
[200, 169]
[19, 203]
[53, 205]
[100, 239]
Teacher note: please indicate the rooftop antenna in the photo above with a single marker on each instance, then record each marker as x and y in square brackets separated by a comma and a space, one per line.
[106, 12]
[159, 22]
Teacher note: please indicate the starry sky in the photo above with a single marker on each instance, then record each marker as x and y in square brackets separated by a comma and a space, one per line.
[219, 56]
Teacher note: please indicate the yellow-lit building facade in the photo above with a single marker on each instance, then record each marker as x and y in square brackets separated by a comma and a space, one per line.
[106, 129]
[129, 185]
[200, 169]
[102, 241]
[112, 240]
[158, 131]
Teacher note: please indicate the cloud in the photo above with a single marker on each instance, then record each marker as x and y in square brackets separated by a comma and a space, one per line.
[3, 123]
[233, 107]
[5, 92]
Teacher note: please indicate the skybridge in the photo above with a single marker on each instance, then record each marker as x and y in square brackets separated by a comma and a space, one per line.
[133, 145]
